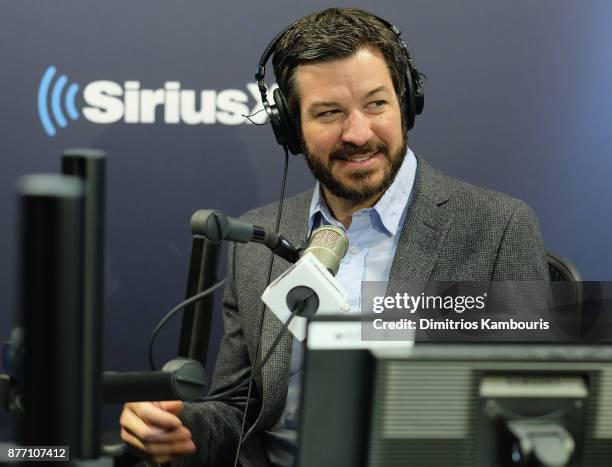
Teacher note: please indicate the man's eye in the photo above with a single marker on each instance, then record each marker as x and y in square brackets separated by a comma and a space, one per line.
[377, 104]
[327, 113]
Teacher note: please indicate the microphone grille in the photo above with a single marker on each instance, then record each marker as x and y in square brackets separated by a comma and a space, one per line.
[326, 237]
[329, 244]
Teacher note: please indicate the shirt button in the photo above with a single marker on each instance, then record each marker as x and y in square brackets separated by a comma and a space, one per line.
[354, 249]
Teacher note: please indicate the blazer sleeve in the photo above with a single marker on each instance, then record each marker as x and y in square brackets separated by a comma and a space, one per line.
[521, 255]
[520, 280]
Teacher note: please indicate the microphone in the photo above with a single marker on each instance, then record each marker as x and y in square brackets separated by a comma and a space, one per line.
[305, 288]
[309, 286]
[216, 226]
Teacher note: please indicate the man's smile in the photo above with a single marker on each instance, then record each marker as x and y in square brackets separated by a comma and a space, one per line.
[356, 161]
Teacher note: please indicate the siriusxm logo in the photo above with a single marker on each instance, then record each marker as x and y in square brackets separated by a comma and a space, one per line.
[109, 102]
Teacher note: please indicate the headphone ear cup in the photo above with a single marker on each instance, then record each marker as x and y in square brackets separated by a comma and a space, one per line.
[419, 97]
[284, 129]
[410, 100]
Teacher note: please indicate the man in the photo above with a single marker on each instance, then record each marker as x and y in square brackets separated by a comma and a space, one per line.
[342, 72]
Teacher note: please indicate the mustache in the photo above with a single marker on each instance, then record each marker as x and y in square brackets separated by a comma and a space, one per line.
[349, 149]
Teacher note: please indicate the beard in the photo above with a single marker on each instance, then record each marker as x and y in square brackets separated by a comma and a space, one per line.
[357, 188]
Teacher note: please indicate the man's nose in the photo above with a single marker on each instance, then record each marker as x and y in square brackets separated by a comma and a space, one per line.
[357, 129]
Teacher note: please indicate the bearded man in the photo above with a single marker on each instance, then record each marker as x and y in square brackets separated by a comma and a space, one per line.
[349, 95]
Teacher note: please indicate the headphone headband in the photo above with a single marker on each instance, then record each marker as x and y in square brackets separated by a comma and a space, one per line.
[278, 112]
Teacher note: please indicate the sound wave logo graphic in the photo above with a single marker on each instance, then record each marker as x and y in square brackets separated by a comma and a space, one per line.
[55, 101]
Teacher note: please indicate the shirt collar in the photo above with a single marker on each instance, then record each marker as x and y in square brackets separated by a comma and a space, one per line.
[389, 207]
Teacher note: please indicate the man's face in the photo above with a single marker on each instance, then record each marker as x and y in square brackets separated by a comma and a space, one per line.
[351, 124]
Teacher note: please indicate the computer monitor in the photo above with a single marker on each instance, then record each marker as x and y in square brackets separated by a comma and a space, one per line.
[452, 404]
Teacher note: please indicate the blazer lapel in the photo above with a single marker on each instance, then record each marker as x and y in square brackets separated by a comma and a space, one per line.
[425, 229]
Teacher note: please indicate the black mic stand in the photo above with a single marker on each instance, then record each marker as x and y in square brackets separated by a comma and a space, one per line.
[209, 228]
[197, 317]
[179, 379]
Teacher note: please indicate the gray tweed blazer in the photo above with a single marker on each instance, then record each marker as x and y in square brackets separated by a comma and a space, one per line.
[453, 231]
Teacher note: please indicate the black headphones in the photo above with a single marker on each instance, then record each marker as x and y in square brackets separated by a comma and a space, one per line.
[278, 112]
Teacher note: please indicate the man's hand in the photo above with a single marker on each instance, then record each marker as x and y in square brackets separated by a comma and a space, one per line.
[154, 431]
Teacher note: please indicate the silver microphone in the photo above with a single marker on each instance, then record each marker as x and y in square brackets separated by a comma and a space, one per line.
[329, 245]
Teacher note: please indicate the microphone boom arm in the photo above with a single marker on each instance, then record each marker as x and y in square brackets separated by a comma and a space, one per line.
[216, 226]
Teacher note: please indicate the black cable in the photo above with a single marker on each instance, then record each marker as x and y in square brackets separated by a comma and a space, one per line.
[171, 313]
[263, 308]
[252, 121]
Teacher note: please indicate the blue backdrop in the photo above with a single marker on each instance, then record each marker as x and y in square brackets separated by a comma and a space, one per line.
[518, 100]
